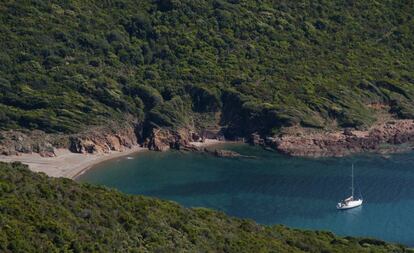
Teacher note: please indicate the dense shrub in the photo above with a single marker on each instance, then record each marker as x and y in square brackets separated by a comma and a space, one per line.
[292, 62]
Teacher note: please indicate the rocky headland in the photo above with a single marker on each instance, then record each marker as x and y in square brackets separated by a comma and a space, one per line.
[388, 137]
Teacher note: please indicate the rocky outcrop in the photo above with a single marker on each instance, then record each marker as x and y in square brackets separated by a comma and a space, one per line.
[162, 139]
[16, 142]
[256, 140]
[382, 137]
[212, 133]
[97, 140]
[112, 137]
[103, 140]
[226, 153]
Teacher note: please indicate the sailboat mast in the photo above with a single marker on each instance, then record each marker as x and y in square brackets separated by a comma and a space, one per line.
[352, 187]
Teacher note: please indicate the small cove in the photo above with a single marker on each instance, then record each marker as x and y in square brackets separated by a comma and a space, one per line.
[276, 189]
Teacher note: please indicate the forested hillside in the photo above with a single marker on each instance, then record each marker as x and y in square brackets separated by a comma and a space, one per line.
[42, 214]
[247, 65]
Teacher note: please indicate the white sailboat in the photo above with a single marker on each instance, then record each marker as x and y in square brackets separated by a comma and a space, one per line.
[350, 202]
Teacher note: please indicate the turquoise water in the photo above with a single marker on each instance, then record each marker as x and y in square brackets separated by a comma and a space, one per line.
[275, 189]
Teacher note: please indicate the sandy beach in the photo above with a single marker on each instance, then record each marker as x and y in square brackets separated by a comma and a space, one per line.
[66, 164]
[212, 142]
[70, 165]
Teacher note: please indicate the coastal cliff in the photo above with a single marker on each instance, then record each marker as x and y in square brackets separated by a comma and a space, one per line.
[394, 135]
[103, 141]
[96, 140]
[164, 139]
[387, 137]
[17, 142]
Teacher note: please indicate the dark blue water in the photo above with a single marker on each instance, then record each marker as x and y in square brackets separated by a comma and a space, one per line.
[275, 189]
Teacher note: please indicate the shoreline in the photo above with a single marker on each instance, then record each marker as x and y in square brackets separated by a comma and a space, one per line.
[71, 165]
[67, 164]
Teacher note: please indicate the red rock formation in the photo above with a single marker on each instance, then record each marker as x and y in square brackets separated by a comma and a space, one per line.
[164, 139]
[344, 143]
[103, 141]
[382, 138]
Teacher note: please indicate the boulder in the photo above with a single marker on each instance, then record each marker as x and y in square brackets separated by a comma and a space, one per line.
[226, 153]
[256, 140]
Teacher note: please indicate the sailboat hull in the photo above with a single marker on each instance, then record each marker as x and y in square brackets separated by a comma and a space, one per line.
[349, 205]
[350, 202]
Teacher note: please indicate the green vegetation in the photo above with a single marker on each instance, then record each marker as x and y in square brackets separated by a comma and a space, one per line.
[42, 214]
[264, 64]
